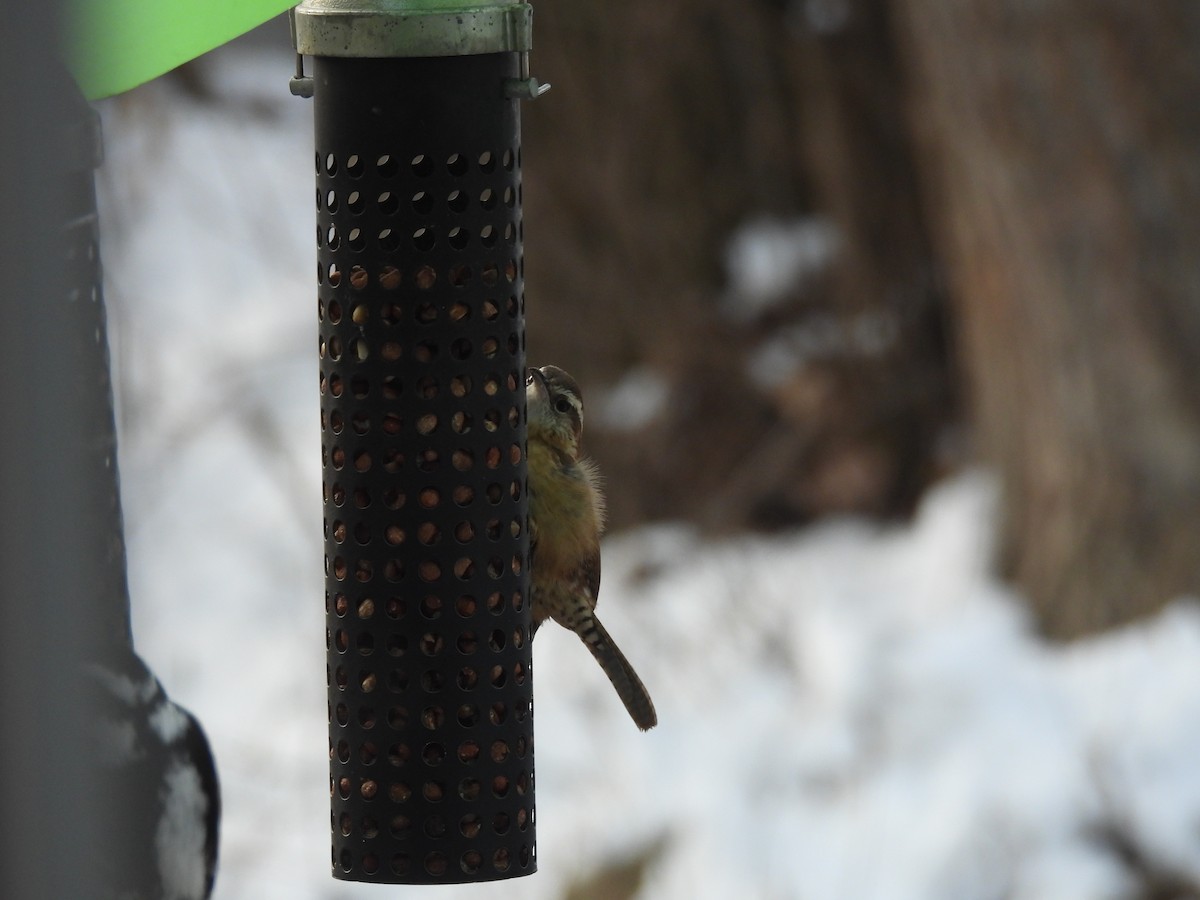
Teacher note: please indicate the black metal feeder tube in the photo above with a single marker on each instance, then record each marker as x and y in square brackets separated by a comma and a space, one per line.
[422, 358]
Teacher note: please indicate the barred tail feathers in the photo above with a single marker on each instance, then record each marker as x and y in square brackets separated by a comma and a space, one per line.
[629, 687]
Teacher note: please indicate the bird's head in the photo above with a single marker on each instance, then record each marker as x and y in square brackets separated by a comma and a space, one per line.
[555, 408]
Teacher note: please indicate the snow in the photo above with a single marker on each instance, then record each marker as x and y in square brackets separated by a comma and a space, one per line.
[169, 722]
[819, 337]
[767, 258]
[848, 711]
[635, 401]
[180, 836]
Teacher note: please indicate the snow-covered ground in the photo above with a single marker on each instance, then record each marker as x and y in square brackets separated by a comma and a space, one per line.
[847, 712]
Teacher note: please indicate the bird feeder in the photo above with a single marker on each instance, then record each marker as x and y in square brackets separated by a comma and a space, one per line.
[420, 301]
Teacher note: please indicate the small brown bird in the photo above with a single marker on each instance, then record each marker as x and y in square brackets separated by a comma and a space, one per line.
[566, 516]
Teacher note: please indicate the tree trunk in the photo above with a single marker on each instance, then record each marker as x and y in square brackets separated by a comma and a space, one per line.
[1060, 144]
[671, 124]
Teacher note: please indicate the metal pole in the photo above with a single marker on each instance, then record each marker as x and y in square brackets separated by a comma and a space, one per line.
[56, 537]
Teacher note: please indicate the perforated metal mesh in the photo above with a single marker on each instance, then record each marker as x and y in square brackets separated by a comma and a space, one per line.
[420, 301]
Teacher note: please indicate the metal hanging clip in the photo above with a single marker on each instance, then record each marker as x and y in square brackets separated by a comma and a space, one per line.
[525, 87]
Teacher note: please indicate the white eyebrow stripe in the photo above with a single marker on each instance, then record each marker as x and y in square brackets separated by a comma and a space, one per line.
[576, 404]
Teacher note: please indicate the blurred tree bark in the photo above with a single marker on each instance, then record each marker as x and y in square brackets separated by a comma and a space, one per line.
[857, 153]
[670, 125]
[1061, 147]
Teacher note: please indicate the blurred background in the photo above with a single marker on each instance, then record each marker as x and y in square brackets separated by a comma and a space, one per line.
[887, 314]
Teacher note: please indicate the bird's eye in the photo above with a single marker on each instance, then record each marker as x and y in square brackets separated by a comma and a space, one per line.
[529, 379]
[562, 405]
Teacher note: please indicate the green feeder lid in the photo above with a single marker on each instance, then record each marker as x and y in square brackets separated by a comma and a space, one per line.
[114, 45]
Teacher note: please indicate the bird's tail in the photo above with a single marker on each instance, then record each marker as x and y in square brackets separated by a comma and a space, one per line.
[629, 687]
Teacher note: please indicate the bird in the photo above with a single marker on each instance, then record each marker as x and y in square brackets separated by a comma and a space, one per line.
[566, 519]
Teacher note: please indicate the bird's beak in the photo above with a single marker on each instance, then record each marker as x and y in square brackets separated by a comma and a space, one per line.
[535, 379]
